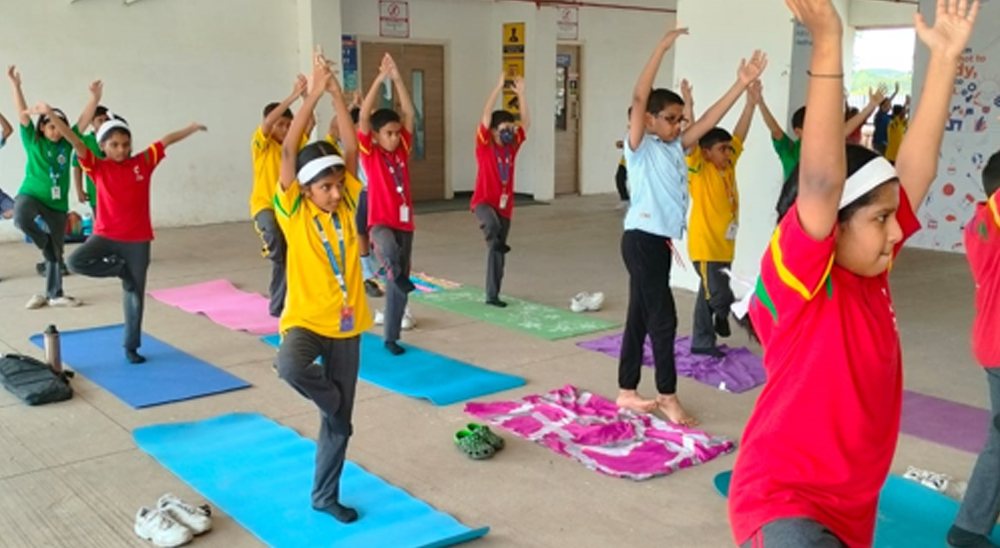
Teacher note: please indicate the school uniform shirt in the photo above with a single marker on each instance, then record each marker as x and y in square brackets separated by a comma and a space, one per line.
[822, 435]
[339, 147]
[388, 181]
[123, 194]
[881, 134]
[896, 131]
[91, 141]
[788, 150]
[715, 207]
[658, 176]
[266, 170]
[982, 247]
[496, 163]
[47, 168]
[315, 299]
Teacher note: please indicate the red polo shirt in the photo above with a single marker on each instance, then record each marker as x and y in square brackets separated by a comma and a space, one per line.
[822, 435]
[123, 194]
[388, 181]
[496, 167]
[982, 247]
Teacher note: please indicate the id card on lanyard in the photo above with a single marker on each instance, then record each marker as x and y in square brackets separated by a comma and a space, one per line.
[346, 311]
[398, 178]
[55, 167]
[505, 167]
[734, 224]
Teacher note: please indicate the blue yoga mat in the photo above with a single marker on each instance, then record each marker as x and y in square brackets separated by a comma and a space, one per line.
[423, 374]
[169, 375]
[909, 514]
[261, 473]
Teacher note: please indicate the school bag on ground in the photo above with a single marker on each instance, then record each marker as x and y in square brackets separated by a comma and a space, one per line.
[33, 381]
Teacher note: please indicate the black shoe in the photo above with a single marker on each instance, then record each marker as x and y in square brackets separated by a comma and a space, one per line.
[373, 290]
[341, 513]
[497, 303]
[713, 352]
[134, 357]
[722, 326]
[960, 538]
[405, 285]
[394, 348]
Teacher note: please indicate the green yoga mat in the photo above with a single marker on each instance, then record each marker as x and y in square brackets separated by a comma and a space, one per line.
[539, 320]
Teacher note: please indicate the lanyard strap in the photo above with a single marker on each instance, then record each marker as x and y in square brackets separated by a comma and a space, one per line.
[504, 164]
[396, 170]
[730, 185]
[329, 251]
[53, 174]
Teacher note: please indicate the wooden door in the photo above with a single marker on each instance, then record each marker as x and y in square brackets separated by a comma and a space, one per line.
[422, 69]
[567, 120]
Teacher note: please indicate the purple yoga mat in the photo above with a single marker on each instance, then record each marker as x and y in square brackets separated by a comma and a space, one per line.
[954, 424]
[740, 369]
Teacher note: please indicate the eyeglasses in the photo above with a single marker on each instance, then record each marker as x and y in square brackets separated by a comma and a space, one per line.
[672, 120]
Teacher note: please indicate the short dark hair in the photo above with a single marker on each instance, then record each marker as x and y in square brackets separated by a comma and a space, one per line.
[501, 117]
[714, 136]
[44, 119]
[383, 117]
[799, 118]
[660, 99]
[897, 110]
[991, 175]
[355, 115]
[312, 151]
[101, 110]
[271, 106]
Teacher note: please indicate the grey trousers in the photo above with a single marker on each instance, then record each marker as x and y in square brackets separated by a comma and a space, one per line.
[276, 250]
[495, 228]
[981, 505]
[393, 248]
[794, 533]
[103, 258]
[715, 297]
[330, 384]
[51, 243]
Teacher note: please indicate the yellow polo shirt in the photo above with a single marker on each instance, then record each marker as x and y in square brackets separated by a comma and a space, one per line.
[315, 300]
[715, 205]
[266, 169]
[897, 129]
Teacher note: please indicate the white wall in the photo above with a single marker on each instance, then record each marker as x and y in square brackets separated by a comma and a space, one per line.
[879, 13]
[164, 65]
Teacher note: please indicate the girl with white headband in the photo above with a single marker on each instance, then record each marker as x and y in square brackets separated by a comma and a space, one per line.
[123, 232]
[818, 446]
[326, 310]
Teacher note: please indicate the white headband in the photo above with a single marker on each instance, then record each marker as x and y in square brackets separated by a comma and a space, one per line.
[865, 179]
[108, 126]
[314, 167]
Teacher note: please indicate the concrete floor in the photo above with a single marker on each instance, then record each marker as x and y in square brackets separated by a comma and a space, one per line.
[70, 474]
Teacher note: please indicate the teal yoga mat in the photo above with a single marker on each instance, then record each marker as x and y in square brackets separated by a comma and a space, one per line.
[423, 374]
[260, 473]
[909, 514]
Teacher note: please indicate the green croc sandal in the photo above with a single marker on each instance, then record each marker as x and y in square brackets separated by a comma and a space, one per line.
[473, 446]
[484, 433]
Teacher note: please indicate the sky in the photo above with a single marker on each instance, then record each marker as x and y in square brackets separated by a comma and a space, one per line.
[884, 49]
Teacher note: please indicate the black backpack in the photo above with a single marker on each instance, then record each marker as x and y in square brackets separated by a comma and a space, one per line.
[33, 381]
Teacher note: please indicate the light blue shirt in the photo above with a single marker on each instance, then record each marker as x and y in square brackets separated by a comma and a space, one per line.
[658, 175]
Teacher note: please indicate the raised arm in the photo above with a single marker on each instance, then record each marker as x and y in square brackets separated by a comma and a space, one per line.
[777, 132]
[643, 87]
[87, 116]
[181, 134]
[19, 103]
[78, 146]
[492, 101]
[298, 88]
[342, 117]
[522, 103]
[365, 116]
[5, 129]
[875, 97]
[317, 85]
[823, 164]
[409, 113]
[748, 72]
[333, 129]
[753, 97]
[917, 161]
[687, 93]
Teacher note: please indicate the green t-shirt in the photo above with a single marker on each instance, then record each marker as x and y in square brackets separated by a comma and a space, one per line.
[91, 141]
[788, 150]
[47, 168]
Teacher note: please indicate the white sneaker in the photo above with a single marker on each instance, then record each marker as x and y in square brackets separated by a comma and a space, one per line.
[36, 302]
[161, 529]
[584, 302]
[379, 317]
[409, 322]
[197, 519]
[64, 302]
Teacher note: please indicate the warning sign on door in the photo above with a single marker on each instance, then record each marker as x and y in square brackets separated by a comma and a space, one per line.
[394, 19]
[568, 24]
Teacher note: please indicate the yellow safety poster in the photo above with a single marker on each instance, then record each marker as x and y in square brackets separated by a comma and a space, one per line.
[513, 62]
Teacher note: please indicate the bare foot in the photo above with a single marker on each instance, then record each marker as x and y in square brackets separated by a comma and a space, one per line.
[631, 400]
[675, 413]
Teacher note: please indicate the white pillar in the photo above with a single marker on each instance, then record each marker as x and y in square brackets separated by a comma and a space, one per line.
[319, 23]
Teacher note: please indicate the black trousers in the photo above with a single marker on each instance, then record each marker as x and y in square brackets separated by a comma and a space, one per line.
[495, 228]
[651, 311]
[50, 243]
[715, 298]
[621, 182]
[276, 250]
[394, 250]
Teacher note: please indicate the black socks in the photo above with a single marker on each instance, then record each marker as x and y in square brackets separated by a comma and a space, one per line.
[497, 303]
[394, 348]
[341, 513]
[714, 352]
[960, 538]
[134, 357]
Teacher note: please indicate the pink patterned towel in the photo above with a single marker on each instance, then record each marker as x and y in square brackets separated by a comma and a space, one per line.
[594, 431]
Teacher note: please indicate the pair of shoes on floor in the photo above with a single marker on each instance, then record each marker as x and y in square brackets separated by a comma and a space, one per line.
[409, 322]
[39, 301]
[941, 483]
[478, 442]
[173, 522]
[40, 269]
[586, 302]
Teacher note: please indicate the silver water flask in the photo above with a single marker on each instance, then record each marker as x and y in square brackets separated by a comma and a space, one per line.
[53, 354]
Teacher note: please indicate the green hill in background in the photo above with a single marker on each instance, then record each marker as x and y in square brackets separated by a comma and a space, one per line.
[861, 80]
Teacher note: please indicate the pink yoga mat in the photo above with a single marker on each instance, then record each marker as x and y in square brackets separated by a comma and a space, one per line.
[224, 304]
[596, 433]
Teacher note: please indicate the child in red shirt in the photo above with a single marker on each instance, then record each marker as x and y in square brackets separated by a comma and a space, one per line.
[818, 446]
[498, 141]
[384, 144]
[119, 247]
[980, 507]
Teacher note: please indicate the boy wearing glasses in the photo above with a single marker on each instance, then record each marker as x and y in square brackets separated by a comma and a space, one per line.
[715, 213]
[658, 174]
